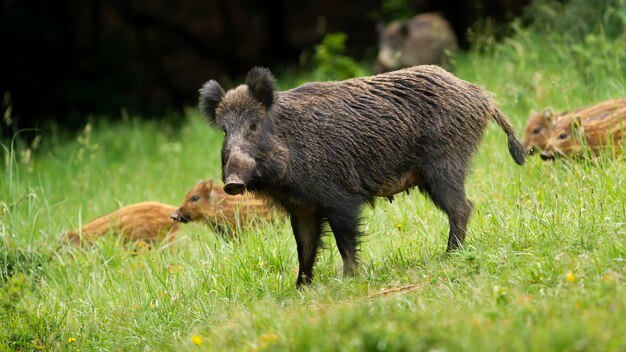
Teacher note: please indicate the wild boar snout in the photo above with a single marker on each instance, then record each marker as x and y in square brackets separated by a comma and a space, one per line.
[237, 172]
[234, 185]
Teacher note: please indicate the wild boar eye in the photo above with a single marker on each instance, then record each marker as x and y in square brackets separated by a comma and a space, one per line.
[195, 198]
[563, 135]
[253, 126]
[537, 130]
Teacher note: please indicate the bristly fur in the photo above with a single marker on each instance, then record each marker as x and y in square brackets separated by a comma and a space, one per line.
[211, 94]
[325, 149]
[261, 84]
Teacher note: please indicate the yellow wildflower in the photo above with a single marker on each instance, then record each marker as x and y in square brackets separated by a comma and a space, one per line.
[570, 277]
[71, 339]
[197, 340]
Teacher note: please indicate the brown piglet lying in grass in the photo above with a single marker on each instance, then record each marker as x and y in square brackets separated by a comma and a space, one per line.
[540, 124]
[575, 136]
[141, 222]
[153, 221]
[208, 202]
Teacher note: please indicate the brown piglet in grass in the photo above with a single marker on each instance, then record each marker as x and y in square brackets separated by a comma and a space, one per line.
[540, 124]
[141, 222]
[153, 221]
[575, 136]
[208, 202]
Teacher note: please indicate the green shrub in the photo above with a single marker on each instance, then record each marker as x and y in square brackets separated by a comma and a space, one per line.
[330, 61]
[396, 10]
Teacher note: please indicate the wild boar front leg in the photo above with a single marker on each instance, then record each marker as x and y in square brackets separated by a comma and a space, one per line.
[307, 228]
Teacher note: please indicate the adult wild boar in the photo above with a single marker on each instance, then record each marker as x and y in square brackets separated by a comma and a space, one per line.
[324, 149]
[426, 39]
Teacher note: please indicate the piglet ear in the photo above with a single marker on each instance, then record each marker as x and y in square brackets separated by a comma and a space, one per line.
[261, 84]
[211, 94]
[548, 115]
[577, 122]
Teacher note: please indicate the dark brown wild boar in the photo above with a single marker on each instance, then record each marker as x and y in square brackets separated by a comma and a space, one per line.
[208, 202]
[323, 149]
[426, 39]
[147, 221]
[575, 136]
[539, 126]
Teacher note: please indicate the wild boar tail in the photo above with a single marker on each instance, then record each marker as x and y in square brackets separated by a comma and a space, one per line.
[515, 145]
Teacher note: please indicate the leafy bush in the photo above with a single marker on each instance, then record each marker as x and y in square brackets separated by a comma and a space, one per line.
[330, 61]
[396, 9]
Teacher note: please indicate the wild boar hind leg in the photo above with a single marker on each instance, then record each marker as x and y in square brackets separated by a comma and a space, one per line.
[307, 229]
[447, 191]
[344, 222]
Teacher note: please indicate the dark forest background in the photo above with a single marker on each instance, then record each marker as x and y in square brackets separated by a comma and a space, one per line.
[66, 60]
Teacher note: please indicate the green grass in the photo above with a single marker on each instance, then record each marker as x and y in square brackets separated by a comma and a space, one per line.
[543, 267]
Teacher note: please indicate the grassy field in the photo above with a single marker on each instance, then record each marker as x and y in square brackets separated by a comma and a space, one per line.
[543, 267]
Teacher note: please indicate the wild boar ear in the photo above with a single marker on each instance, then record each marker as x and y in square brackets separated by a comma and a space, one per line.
[404, 29]
[211, 94]
[261, 84]
[380, 27]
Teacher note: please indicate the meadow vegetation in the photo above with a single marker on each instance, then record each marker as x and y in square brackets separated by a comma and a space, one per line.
[543, 266]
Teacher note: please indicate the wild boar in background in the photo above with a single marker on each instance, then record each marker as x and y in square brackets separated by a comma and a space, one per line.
[426, 39]
[323, 150]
